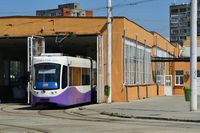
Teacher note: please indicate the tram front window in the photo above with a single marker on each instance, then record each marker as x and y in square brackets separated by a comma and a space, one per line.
[47, 76]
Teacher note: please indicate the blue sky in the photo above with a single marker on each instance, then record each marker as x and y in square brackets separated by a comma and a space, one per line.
[153, 16]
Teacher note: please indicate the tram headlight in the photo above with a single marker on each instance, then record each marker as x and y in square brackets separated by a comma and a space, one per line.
[56, 84]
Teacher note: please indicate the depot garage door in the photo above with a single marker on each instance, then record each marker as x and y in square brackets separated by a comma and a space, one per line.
[13, 59]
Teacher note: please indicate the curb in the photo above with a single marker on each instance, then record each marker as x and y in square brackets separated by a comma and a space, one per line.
[148, 118]
[116, 115]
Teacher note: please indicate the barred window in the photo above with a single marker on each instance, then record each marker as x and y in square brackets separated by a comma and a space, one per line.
[137, 63]
[160, 67]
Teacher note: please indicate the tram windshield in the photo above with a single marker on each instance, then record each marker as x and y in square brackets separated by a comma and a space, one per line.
[47, 76]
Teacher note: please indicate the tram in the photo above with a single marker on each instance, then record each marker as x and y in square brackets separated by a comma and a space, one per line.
[62, 80]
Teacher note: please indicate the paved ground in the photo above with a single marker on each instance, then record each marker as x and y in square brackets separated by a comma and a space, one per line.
[164, 108]
[15, 118]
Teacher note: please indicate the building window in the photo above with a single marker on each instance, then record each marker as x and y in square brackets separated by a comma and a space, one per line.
[137, 63]
[174, 38]
[160, 67]
[15, 72]
[198, 73]
[179, 77]
[53, 14]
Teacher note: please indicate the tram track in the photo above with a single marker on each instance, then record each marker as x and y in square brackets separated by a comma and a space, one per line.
[27, 129]
[77, 114]
[15, 113]
[3, 109]
[86, 118]
[72, 115]
[64, 114]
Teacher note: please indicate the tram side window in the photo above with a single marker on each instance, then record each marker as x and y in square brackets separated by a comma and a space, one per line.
[79, 76]
[75, 76]
[85, 76]
[64, 77]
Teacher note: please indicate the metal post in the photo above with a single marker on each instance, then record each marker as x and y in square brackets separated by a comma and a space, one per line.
[29, 64]
[102, 68]
[137, 68]
[156, 67]
[193, 56]
[145, 67]
[28, 45]
[31, 70]
[109, 50]
[124, 70]
[98, 73]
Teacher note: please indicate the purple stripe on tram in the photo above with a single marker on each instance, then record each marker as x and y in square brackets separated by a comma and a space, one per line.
[69, 97]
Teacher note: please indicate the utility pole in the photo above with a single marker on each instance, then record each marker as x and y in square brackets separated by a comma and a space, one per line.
[193, 56]
[109, 50]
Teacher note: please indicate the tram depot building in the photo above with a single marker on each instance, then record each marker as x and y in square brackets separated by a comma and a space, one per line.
[141, 66]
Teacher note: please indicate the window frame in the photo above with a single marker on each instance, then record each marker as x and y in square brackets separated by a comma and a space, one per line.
[58, 75]
[80, 77]
[66, 74]
[179, 78]
[137, 62]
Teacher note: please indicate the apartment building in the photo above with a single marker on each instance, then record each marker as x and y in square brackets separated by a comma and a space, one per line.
[180, 22]
[71, 9]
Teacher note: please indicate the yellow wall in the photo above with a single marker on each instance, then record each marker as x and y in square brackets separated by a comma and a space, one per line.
[135, 32]
[117, 60]
[178, 90]
[27, 26]
[164, 44]
[141, 92]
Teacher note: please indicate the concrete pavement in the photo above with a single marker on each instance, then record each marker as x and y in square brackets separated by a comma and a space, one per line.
[103, 118]
[173, 108]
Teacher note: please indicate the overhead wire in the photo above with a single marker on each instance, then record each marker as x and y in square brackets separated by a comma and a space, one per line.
[118, 5]
[132, 3]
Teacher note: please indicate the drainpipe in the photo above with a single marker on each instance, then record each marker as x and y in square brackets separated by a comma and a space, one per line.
[125, 83]
[136, 71]
[145, 69]
[155, 67]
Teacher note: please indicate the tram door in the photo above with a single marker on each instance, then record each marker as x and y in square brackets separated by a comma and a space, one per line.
[168, 85]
